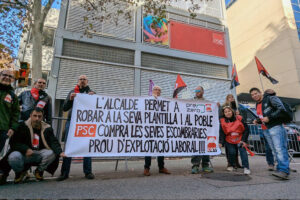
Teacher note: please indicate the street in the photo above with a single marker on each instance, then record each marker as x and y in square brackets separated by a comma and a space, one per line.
[132, 184]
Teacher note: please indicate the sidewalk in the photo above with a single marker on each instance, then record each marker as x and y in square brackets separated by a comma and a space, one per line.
[131, 184]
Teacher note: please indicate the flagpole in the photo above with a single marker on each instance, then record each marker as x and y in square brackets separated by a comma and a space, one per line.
[261, 82]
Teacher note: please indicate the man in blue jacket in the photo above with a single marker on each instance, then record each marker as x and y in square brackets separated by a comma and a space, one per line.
[271, 111]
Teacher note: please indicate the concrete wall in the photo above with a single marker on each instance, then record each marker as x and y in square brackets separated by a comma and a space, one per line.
[265, 29]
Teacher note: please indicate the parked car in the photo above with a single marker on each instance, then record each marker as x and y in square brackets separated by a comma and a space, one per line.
[256, 138]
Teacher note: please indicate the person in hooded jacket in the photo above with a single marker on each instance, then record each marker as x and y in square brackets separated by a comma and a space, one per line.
[271, 112]
[234, 135]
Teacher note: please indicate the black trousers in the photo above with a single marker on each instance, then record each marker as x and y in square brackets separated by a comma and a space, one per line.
[160, 162]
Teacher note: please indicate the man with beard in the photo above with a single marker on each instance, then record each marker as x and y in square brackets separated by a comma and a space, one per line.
[9, 107]
[36, 97]
[33, 144]
[160, 159]
[81, 87]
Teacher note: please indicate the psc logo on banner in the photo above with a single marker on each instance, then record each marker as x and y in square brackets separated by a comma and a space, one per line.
[85, 130]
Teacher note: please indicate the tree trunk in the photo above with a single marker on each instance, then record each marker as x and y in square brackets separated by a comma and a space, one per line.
[37, 37]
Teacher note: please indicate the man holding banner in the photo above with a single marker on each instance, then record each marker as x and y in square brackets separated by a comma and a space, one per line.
[81, 87]
[160, 159]
[199, 91]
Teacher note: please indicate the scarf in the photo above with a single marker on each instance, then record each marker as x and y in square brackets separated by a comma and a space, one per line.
[77, 89]
[35, 93]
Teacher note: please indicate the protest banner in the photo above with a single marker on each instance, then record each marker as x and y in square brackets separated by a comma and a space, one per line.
[142, 126]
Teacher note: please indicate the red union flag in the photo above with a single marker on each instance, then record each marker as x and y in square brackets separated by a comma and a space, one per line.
[179, 85]
[263, 71]
[234, 78]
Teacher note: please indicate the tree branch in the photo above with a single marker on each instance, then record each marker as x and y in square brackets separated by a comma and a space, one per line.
[46, 10]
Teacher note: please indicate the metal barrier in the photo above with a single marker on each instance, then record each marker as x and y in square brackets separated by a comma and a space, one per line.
[256, 140]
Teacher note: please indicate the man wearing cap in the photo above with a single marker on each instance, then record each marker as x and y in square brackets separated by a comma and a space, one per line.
[199, 91]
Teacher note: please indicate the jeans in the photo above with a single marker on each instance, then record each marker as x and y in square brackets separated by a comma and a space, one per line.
[160, 162]
[277, 139]
[269, 153]
[41, 159]
[232, 155]
[3, 137]
[197, 159]
[66, 165]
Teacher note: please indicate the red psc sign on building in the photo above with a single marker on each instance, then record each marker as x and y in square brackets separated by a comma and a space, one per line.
[196, 39]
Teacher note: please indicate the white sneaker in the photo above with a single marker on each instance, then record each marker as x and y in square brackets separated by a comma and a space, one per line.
[247, 171]
[230, 169]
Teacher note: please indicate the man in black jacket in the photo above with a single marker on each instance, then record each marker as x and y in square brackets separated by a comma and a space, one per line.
[9, 107]
[81, 87]
[36, 97]
[33, 144]
[271, 114]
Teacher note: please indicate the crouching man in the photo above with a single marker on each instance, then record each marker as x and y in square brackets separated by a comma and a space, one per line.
[33, 144]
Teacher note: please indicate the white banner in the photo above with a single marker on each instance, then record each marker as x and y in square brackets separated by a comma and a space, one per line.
[142, 126]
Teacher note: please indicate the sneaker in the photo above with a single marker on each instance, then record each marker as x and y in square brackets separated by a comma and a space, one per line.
[146, 172]
[195, 170]
[230, 169]
[207, 169]
[281, 175]
[90, 176]
[62, 177]
[20, 177]
[271, 168]
[3, 179]
[164, 171]
[39, 175]
[247, 171]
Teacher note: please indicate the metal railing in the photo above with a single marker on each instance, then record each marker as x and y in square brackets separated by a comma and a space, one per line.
[256, 140]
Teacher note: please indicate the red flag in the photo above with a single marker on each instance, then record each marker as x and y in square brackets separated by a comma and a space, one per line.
[235, 80]
[179, 85]
[263, 71]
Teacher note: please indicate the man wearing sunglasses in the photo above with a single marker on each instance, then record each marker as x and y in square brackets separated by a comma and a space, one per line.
[36, 97]
[199, 91]
[9, 107]
[81, 87]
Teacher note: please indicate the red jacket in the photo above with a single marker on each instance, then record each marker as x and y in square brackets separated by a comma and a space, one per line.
[233, 130]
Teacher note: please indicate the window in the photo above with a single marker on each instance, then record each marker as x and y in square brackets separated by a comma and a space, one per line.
[296, 9]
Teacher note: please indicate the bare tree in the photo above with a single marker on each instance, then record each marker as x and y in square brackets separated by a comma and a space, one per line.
[25, 15]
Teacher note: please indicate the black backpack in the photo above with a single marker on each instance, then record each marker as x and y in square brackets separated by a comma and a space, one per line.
[288, 113]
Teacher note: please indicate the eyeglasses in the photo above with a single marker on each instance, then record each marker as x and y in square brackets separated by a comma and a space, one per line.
[42, 83]
[198, 91]
[7, 75]
[82, 79]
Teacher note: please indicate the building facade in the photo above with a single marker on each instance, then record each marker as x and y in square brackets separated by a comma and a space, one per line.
[121, 59]
[269, 30]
